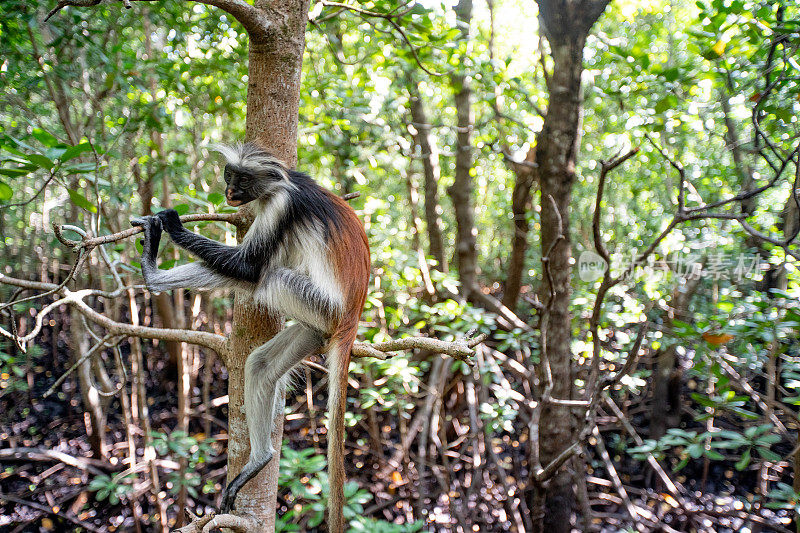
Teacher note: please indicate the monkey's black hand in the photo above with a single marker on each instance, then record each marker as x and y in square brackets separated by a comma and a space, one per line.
[152, 235]
[170, 220]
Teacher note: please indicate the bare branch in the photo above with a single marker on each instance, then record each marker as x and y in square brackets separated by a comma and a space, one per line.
[605, 168]
[102, 344]
[215, 342]
[460, 350]
[92, 242]
[39, 191]
[75, 298]
[390, 18]
[255, 21]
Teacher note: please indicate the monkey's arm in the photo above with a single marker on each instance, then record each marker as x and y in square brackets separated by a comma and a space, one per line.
[229, 261]
[193, 275]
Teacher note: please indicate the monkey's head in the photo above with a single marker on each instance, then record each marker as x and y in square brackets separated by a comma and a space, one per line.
[251, 173]
[239, 186]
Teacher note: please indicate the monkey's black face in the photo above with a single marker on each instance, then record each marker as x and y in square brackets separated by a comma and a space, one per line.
[239, 188]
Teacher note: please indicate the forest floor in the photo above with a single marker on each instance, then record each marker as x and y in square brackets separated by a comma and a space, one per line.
[41, 492]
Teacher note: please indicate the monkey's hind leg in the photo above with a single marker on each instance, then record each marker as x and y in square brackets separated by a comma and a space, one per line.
[265, 372]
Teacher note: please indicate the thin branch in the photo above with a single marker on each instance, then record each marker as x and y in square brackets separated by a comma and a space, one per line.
[75, 298]
[390, 18]
[92, 242]
[50, 511]
[677, 166]
[102, 344]
[605, 168]
[93, 466]
[39, 191]
[255, 21]
[460, 350]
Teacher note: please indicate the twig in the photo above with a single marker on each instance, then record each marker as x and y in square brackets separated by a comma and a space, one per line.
[605, 168]
[92, 242]
[94, 466]
[39, 191]
[460, 350]
[618, 486]
[50, 511]
[256, 21]
[102, 344]
[674, 488]
[390, 18]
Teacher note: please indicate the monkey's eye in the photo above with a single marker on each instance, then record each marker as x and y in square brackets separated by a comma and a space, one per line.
[226, 175]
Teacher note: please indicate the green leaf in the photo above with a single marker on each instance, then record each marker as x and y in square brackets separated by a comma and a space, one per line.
[182, 209]
[216, 198]
[768, 454]
[744, 413]
[45, 137]
[6, 192]
[40, 161]
[744, 461]
[703, 400]
[695, 450]
[671, 74]
[667, 102]
[714, 456]
[14, 172]
[79, 168]
[54, 153]
[81, 201]
[316, 519]
[74, 151]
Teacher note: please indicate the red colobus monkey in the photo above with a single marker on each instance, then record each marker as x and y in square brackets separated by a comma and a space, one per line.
[305, 257]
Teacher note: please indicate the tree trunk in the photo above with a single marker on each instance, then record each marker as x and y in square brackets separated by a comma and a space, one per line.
[520, 206]
[96, 428]
[557, 148]
[461, 190]
[665, 410]
[273, 100]
[566, 24]
[430, 165]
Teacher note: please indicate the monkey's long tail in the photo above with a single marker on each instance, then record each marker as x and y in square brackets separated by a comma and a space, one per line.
[338, 363]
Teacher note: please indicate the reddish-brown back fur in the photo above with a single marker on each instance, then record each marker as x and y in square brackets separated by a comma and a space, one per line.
[350, 251]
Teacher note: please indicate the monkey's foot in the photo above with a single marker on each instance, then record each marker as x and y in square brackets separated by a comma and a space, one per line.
[213, 522]
[250, 470]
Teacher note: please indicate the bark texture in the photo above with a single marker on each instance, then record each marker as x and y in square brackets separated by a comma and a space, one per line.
[430, 166]
[525, 178]
[566, 24]
[273, 98]
[461, 190]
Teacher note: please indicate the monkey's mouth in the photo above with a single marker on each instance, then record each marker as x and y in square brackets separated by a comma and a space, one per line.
[234, 203]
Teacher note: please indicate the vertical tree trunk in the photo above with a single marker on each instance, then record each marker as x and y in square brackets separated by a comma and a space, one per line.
[79, 344]
[566, 24]
[557, 148]
[520, 205]
[461, 190]
[430, 165]
[665, 410]
[273, 100]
